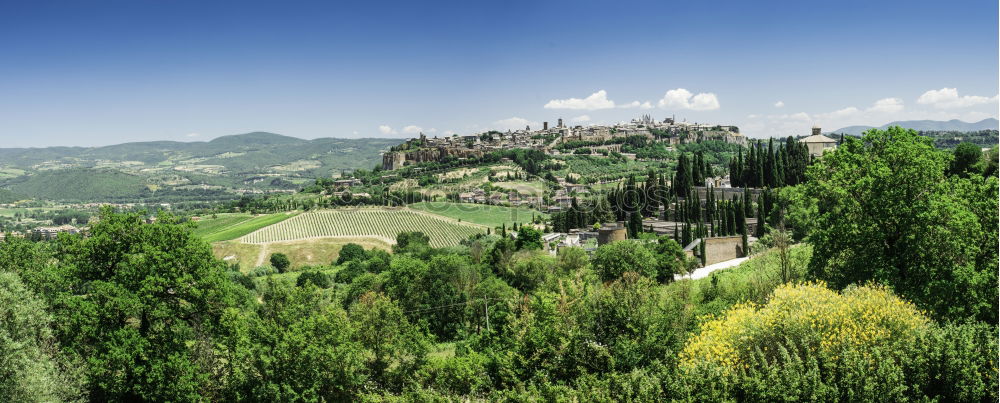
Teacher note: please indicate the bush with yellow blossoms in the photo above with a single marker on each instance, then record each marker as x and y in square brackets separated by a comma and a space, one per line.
[811, 343]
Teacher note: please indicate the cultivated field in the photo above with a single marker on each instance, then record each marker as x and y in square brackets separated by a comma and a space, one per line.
[231, 226]
[482, 214]
[379, 223]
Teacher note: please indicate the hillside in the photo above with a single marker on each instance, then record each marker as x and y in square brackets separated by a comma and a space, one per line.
[954, 125]
[78, 184]
[217, 169]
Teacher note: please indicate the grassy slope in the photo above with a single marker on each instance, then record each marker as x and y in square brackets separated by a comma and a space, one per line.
[232, 227]
[482, 214]
[751, 281]
[308, 252]
[209, 225]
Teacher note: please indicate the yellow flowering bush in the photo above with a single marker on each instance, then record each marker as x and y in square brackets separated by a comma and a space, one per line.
[810, 316]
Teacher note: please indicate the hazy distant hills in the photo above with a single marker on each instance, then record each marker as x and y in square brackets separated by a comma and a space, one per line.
[151, 170]
[928, 125]
[258, 149]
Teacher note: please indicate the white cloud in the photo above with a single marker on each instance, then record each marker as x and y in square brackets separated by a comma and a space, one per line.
[887, 105]
[948, 98]
[192, 134]
[431, 130]
[839, 113]
[779, 104]
[580, 119]
[449, 132]
[386, 129]
[514, 123]
[597, 100]
[879, 113]
[683, 99]
[636, 104]
[411, 129]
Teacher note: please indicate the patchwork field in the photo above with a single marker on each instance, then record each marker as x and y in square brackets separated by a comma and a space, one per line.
[379, 223]
[482, 214]
[231, 226]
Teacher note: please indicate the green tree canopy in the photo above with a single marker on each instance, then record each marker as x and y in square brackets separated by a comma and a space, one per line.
[351, 251]
[967, 161]
[32, 368]
[280, 262]
[528, 238]
[145, 299]
[887, 213]
[616, 258]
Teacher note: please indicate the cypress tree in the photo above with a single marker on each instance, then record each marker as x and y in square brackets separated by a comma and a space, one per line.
[734, 227]
[635, 224]
[760, 168]
[761, 221]
[747, 208]
[741, 221]
[745, 243]
[701, 250]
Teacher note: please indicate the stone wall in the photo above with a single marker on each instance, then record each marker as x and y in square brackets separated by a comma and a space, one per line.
[397, 159]
[723, 248]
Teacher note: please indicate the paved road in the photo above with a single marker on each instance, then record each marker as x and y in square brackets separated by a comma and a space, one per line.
[705, 271]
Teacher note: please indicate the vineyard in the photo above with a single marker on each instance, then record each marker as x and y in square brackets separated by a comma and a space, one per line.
[231, 226]
[365, 222]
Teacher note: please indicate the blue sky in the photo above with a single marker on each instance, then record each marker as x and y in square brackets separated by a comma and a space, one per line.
[105, 72]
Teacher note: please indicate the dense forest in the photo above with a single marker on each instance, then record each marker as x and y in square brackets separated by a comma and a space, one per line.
[883, 288]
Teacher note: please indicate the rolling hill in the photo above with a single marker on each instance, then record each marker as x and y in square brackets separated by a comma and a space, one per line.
[227, 165]
[953, 125]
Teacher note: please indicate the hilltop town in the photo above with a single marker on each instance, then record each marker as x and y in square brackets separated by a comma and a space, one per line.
[548, 139]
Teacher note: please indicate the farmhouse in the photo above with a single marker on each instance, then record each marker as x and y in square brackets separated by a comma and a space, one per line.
[347, 182]
[818, 143]
[564, 201]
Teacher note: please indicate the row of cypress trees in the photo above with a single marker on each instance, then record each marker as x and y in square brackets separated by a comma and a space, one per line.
[771, 166]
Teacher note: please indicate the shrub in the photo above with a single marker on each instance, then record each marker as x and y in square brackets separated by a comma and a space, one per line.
[614, 259]
[314, 277]
[351, 251]
[280, 262]
[261, 271]
[808, 315]
[811, 343]
[241, 279]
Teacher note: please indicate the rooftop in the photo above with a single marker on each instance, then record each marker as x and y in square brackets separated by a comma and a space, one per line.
[819, 138]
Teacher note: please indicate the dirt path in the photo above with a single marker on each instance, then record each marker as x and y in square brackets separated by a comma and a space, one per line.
[261, 255]
[705, 271]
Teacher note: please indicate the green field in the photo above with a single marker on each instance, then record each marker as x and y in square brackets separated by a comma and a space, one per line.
[231, 226]
[380, 223]
[482, 214]
[307, 252]
[533, 188]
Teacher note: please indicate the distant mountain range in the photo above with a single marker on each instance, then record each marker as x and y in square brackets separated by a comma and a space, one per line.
[225, 166]
[928, 125]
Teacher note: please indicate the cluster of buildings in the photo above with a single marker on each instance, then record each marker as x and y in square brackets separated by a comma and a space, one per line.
[43, 232]
[669, 131]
